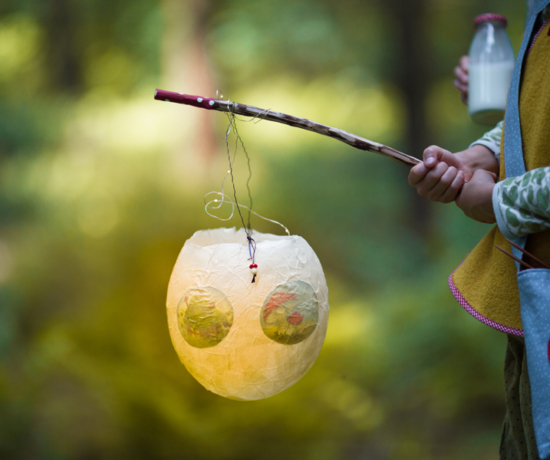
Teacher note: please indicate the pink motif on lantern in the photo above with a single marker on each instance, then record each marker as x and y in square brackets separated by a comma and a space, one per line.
[295, 319]
[275, 301]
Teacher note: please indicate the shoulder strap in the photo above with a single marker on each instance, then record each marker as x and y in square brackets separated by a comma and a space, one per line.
[513, 148]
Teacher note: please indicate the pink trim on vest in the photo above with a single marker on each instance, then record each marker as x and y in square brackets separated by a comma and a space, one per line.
[462, 301]
[537, 36]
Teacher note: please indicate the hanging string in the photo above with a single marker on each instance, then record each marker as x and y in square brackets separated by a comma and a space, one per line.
[232, 126]
[232, 116]
[225, 199]
[249, 168]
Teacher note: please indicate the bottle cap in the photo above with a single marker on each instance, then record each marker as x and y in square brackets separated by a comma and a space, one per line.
[490, 17]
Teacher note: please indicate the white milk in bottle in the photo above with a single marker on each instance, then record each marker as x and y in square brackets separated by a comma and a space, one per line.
[490, 69]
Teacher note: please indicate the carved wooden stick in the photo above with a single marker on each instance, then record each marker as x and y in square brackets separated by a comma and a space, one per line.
[278, 117]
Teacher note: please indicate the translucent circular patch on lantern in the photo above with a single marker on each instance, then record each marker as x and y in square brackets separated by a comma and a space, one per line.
[205, 316]
[290, 313]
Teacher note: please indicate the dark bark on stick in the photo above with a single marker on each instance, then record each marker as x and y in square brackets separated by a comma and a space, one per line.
[278, 117]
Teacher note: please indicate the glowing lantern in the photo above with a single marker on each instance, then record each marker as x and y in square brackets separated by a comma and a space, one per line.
[246, 340]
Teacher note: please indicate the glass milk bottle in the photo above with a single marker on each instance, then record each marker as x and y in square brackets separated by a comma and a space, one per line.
[490, 69]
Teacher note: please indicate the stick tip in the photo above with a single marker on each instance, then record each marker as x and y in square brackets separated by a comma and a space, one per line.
[159, 94]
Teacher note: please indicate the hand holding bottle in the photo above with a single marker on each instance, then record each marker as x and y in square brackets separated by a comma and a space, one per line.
[461, 78]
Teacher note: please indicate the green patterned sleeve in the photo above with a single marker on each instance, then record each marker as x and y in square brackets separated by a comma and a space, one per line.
[491, 140]
[522, 204]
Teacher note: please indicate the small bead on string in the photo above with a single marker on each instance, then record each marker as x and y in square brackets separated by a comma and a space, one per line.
[252, 252]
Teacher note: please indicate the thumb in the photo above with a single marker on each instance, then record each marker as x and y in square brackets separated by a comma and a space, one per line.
[433, 155]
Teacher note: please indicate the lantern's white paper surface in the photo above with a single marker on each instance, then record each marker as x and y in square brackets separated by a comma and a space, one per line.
[246, 340]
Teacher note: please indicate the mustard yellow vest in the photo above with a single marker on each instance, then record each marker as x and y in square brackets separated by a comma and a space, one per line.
[485, 283]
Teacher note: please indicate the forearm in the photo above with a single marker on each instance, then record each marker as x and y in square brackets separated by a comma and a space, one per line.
[492, 140]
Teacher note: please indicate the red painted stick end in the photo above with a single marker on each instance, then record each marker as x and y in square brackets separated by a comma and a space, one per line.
[187, 99]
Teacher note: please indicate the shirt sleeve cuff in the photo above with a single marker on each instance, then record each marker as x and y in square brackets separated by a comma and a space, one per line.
[499, 212]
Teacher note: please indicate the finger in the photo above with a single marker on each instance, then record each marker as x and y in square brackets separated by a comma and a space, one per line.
[464, 63]
[430, 181]
[461, 75]
[444, 182]
[417, 174]
[464, 97]
[460, 86]
[452, 191]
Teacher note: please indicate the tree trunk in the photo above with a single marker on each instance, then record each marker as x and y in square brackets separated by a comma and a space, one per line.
[412, 75]
[63, 66]
[186, 67]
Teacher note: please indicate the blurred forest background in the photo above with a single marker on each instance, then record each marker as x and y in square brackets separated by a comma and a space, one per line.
[100, 186]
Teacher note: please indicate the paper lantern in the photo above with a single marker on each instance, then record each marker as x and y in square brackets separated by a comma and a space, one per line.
[245, 340]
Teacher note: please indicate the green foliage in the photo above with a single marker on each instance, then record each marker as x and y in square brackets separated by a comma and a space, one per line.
[99, 189]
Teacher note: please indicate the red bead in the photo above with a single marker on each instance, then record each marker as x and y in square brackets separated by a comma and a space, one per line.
[255, 265]
[251, 266]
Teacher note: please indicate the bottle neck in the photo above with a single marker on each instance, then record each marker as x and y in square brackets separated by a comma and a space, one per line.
[491, 25]
[490, 29]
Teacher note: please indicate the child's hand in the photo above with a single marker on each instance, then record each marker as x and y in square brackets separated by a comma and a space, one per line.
[461, 78]
[440, 176]
[476, 197]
